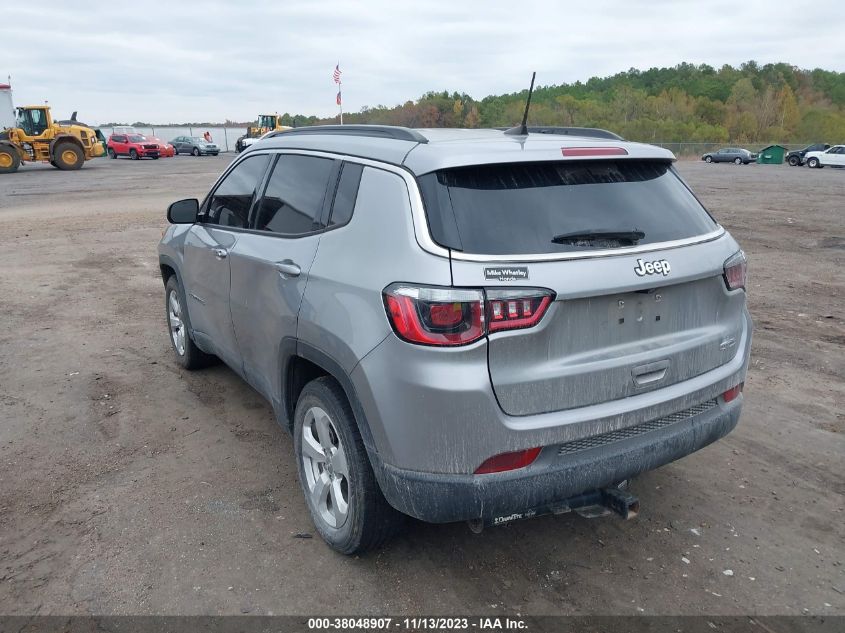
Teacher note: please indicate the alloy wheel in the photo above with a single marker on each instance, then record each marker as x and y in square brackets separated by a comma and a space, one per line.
[177, 325]
[326, 468]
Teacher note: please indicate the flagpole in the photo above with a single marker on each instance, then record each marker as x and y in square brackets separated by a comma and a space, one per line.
[339, 90]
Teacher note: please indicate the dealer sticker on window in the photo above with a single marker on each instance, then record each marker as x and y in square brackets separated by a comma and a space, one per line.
[506, 273]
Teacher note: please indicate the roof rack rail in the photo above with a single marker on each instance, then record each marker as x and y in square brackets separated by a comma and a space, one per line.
[377, 131]
[591, 132]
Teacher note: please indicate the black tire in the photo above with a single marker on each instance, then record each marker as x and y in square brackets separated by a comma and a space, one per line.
[708, 159]
[214, 153]
[10, 160]
[195, 152]
[738, 161]
[369, 520]
[68, 156]
[813, 163]
[133, 154]
[793, 161]
[112, 153]
[190, 357]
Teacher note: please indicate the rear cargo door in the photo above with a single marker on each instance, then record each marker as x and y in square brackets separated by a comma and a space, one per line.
[635, 263]
[609, 333]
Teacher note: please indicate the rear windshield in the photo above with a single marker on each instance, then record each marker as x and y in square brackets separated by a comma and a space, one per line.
[525, 208]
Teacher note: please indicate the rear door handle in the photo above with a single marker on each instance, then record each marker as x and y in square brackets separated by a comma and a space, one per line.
[221, 253]
[288, 269]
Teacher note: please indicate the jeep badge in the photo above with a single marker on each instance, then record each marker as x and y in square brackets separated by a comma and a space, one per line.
[660, 266]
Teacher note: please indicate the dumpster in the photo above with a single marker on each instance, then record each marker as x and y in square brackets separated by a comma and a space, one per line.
[771, 155]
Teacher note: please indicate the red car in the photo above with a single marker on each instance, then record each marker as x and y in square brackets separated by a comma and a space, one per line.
[136, 146]
[167, 149]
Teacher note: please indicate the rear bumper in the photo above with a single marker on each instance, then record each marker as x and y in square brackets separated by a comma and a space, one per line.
[545, 485]
[433, 410]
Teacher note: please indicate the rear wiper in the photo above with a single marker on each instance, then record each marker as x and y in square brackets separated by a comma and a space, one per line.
[627, 237]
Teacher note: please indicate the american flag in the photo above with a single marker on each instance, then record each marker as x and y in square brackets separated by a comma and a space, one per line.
[336, 74]
[338, 97]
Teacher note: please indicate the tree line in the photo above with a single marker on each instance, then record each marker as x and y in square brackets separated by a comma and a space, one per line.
[752, 103]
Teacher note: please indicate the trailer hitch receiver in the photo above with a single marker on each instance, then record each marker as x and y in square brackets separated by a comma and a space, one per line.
[621, 502]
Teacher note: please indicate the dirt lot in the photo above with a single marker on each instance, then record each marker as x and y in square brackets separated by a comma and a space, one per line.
[130, 487]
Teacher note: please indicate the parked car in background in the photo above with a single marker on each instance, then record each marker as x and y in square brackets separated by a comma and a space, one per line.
[833, 157]
[194, 145]
[166, 150]
[135, 146]
[730, 155]
[797, 157]
[510, 345]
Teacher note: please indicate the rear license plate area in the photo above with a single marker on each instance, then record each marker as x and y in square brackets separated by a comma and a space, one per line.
[638, 309]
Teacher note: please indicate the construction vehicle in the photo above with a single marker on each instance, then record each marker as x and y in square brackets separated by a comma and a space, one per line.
[36, 137]
[266, 123]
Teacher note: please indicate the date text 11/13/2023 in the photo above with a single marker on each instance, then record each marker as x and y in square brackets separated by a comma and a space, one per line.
[417, 624]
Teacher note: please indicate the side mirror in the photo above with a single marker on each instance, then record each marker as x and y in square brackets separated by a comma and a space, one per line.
[183, 211]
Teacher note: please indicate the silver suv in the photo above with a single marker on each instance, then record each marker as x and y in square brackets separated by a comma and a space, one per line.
[463, 325]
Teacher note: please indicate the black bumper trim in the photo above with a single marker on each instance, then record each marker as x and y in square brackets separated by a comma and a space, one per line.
[444, 498]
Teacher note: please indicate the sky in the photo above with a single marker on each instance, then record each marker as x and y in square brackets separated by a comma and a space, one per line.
[179, 60]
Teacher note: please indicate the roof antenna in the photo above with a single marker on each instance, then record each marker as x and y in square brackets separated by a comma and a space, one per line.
[522, 130]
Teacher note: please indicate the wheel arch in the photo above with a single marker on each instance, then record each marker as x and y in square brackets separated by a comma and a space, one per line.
[10, 145]
[168, 269]
[65, 138]
[300, 363]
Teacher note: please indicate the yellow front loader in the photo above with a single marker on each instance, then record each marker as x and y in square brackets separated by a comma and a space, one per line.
[37, 138]
[266, 123]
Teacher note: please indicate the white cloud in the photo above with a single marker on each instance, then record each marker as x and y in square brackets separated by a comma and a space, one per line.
[176, 61]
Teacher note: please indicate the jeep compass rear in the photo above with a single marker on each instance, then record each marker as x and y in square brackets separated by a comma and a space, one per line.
[483, 326]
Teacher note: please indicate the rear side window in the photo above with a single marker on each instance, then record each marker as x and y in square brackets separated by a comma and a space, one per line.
[232, 200]
[293, 200]
[573, 206]
[347, 191]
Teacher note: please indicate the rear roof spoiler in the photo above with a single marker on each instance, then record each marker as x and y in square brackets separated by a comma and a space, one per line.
[589, 132]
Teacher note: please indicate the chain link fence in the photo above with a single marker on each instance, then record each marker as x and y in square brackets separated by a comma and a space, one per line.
[695, 150]
[225, 137]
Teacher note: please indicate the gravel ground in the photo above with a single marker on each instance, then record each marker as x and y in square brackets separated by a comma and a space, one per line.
[130, 487]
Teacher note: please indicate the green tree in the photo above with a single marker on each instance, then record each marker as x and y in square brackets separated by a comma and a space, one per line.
[688, 102]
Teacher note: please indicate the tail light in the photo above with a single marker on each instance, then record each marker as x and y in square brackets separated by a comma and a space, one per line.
[508, 461]
[733, 392]
[735, 270]
[435, 316]
[512, 309]
[457, 316]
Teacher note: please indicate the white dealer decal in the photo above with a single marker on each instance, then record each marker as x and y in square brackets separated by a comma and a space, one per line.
[660, 266]
[506, 273]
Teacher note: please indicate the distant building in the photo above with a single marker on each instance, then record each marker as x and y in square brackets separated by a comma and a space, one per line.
[7, 109]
